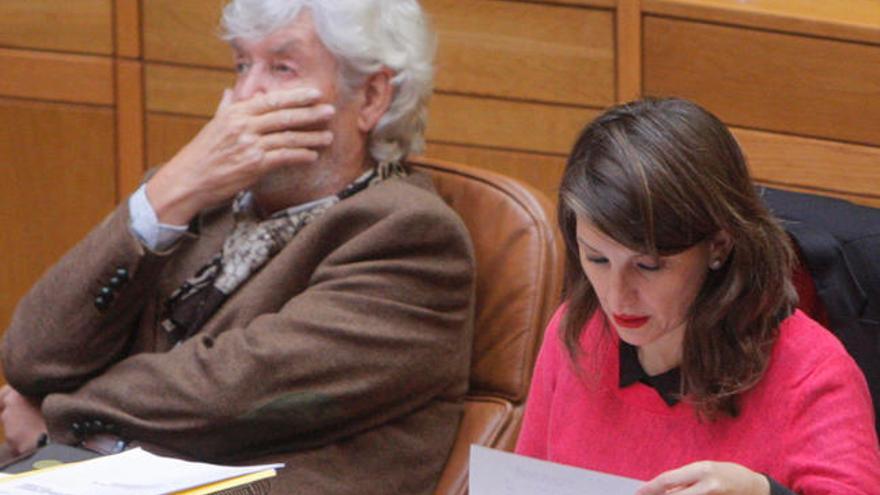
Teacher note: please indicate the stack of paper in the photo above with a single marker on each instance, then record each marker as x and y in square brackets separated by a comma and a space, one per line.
[493, 472]
[135, 472]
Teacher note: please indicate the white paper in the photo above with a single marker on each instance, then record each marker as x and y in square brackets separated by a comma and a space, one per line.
[133, 472]
[493, 472]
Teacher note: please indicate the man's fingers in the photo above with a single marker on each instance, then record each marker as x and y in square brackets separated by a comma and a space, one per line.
[296, 118]
[226, 100]
[275, 100]
[296, 139]
[285, 156]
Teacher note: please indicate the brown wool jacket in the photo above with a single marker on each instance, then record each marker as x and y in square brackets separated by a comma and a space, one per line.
[346, 357]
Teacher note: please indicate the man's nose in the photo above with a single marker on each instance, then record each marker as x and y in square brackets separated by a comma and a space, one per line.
[251, 83]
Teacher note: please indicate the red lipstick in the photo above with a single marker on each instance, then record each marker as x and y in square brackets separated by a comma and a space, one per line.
[628, 321]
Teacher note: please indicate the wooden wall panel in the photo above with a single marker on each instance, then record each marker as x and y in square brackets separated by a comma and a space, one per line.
[769, 81]
[166, 134]
[506, 125]
[629, 50]
[56, 77]
[130, 127]
[59, 180]
[185, 90]
[127, 32]
[857, 20]
[817, 166]
[84, 26]
[541, 171]
[185, 32]
[525, 51]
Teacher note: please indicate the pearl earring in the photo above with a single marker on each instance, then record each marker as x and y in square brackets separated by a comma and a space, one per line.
[715, 264]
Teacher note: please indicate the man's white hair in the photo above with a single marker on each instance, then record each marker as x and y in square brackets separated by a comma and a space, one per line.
[365, 36]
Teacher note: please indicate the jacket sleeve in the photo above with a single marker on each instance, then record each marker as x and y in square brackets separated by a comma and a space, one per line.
[78, 318]
[383, 329]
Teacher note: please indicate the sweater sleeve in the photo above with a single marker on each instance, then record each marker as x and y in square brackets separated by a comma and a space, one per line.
[832, 445]
[534, 436]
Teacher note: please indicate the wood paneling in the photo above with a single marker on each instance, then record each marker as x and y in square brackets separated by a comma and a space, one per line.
[166, 134]
[185, 90]
[629, 50]
[824, 167]
[507, 125]
[130, 126]
[57, 77]
[769, 81]
[79, 26]
[541, 171]
[57, 163]
[185, 32]
[128, 28]
[857, 20]
[610, 4]
[525, 51]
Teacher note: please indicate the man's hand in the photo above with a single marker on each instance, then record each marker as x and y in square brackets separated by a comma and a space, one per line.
[22, 420]
[708, 478]
[243, 142]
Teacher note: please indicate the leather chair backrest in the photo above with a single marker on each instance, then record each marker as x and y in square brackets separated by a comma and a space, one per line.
[518, 283]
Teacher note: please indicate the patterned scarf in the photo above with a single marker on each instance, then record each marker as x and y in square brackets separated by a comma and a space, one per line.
[252, 243]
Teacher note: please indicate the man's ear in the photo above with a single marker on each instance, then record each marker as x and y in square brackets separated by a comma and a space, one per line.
[378, 92]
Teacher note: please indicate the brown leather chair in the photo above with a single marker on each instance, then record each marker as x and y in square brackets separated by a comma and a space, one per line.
[519, 278]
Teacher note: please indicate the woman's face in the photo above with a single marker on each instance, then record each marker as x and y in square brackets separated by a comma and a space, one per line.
[646, 299]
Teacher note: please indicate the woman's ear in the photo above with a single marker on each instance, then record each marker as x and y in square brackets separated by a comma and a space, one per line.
[720, 246]
[378, 92]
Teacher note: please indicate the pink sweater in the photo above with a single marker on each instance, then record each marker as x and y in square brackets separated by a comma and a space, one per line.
[808, 424]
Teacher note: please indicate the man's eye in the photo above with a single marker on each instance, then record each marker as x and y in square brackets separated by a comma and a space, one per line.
[284, 69]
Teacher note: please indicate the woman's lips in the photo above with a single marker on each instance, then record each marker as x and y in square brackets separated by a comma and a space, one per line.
[629, 321]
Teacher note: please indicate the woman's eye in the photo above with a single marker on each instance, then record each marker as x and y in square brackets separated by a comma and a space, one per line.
[241, 67]
[597, 259]
[649, 267]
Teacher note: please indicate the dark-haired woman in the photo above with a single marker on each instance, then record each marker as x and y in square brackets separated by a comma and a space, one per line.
[678, 356]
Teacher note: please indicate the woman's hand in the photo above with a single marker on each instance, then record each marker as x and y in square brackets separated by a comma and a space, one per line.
[708, 478]
[242, 143]
[23, 422]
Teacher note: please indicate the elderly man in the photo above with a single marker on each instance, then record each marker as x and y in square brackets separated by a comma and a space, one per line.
[282, 289]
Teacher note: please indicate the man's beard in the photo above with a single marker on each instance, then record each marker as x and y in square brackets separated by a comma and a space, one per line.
[296, 181]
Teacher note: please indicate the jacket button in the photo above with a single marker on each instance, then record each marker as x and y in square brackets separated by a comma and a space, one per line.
[122, 273]
[106, 292]
[78, 430]
[102, 303]
[98, 426]
[115, 282]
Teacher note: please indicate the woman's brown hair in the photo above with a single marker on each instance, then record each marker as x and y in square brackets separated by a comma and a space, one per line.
[660, 176]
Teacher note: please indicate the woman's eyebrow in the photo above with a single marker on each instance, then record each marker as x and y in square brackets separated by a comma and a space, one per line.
[586, 244]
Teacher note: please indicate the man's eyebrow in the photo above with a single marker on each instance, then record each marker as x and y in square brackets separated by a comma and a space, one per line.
[287, 48]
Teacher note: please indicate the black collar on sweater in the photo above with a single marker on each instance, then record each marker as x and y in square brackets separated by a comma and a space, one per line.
[667, 384]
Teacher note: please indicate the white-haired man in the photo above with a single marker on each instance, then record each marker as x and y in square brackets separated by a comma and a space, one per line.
[282, 289]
